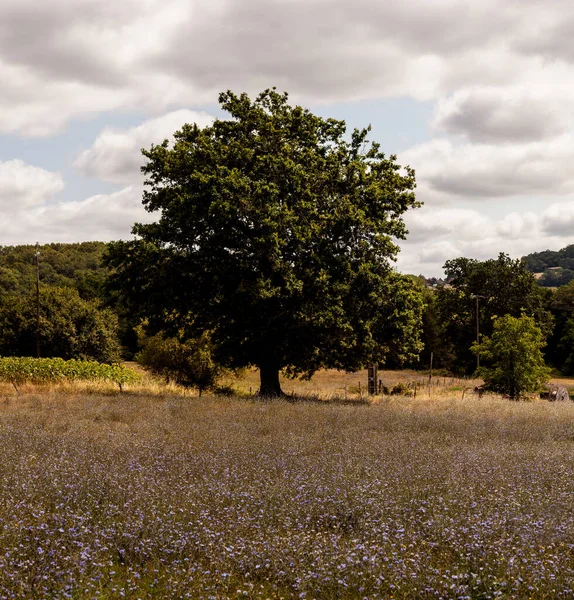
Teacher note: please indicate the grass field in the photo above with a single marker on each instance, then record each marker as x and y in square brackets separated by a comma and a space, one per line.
[154, 494]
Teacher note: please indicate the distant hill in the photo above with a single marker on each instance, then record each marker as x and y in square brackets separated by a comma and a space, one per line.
[62, 265]
[553, 268]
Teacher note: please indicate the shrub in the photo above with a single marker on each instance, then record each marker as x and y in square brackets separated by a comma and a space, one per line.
[401, 389]
[188, 363]
[513, 354]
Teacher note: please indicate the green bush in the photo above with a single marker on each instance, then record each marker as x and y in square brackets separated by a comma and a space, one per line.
[401, 389]
[188, 363]
[513, 357]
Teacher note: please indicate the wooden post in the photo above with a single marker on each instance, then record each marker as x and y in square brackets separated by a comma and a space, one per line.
[372, 379]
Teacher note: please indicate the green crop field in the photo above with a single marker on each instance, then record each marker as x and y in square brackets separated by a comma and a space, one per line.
[18, 371]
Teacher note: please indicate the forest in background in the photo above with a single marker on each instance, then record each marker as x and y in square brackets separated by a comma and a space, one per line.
[74, 266]
[81, 318]
[552, 268]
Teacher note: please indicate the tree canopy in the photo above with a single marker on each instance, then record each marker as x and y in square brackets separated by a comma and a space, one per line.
[503, 286]
[70, 327]
[513, 353]
[76, 266]
[556, 266]
[276, 233]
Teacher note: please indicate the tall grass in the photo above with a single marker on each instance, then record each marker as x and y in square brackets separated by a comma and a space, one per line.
[146, 496]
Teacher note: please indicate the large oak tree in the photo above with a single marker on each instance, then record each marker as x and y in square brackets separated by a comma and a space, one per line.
[275, 234]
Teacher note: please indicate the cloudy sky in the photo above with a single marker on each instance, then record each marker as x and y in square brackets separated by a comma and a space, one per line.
[477, 96]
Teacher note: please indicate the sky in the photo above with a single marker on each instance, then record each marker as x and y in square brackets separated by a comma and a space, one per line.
[477, 96]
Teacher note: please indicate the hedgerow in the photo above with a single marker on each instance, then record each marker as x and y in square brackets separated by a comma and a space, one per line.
[19, 370]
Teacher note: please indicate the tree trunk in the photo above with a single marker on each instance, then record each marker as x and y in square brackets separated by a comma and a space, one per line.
[270, 386]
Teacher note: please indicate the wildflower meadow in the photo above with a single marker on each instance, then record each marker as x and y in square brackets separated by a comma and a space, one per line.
[136, 495]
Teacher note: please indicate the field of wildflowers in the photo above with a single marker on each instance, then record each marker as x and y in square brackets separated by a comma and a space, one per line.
[159, 496]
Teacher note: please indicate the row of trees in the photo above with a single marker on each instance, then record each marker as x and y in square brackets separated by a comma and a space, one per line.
[444, 318]
[67, 326]
[478, 291]
[73, 266]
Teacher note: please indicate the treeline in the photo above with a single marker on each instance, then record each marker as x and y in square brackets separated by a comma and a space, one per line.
[74, 266]
[80, 317]
[76, 317]
[555, 268]
[479, 291]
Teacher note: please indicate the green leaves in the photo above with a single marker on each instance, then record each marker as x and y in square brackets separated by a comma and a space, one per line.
[274, 231]
[503, 286]
[188, 363]
[69, 327]
[17, 370]
[513, 353]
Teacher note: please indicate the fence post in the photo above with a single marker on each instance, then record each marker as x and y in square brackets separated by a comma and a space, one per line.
[372, 379]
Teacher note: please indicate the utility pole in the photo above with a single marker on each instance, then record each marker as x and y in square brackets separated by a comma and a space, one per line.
[37, 300]
[477, 335]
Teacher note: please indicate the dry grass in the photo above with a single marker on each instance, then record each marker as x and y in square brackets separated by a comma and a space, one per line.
[332, 384]
[151, 494]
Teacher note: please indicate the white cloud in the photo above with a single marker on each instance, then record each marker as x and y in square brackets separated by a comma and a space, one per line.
[429, 222]
[516, 226]
[29, 213]
[491, 171]
[506, 114]
[102, 217]
[439, 252]
[24, 186]
[116, 156]
[548, 33]
[558, 219]
[67, 59]
[443, 234]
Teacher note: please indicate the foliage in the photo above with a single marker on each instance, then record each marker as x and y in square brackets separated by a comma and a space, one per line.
[559, 351]
[188, 363]
[401, 389]
[504, 287]
[433, 336]
[557, 266]
[76, 266]
[513, 354]
[70, 327]
[275, 233]
[556, 277]
[19, 370]
[565, 348]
